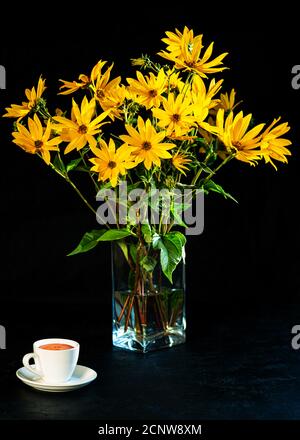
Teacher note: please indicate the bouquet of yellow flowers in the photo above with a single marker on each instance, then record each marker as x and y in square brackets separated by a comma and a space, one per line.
[150, 147]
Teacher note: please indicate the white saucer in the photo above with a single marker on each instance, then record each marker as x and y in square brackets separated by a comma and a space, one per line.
[82, 376]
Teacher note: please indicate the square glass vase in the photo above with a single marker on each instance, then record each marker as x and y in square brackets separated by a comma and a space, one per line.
[148, 311]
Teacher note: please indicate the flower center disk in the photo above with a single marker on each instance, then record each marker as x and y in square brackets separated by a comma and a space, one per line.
[191, 64]
[112, 164]
[38, 144]
[147, 146]
[176, 118]
[100, 94]
[152, 93]
[82, 129]
[237, 144]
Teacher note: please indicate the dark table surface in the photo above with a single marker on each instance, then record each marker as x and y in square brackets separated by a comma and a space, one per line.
[238, 363]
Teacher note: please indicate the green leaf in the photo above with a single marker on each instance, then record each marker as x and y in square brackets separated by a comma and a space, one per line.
[171, 258]
[205, 168]
[82, 169]
[212, 157]
[88, 241]
[85, 150]
[92, 238]
[212, 186]
[179, 241]
[177, 238]
[178, 219]
[170, 254]
[73, 164]
[155, 240]
[147, 233]
[123, 246]
[132, 250]
[177, 208]
[58, 163]
[114, 234]
[164, 256]
[148, 263]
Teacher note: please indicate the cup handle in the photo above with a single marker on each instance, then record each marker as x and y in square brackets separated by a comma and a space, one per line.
[26, 364]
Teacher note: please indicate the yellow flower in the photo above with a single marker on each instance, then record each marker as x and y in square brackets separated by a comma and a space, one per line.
[227, 102]
[109, 94]
[174, 81]
[81, 128]
[175, 40]
[59, 112]
[182, 138]
[208, 136]
[73, 86]
[200, 94]
[97, 70]
[110, 163]
[113, 100]
[101, 84]
[84, 80]
[36, 139]
[176, 115]
[203, 102]
[185, 52]
[33, 96]
[234, 135]
[138, 62]
[179, 161]
[200, 105]
[147, 143]
[272, 145]
[148, 89]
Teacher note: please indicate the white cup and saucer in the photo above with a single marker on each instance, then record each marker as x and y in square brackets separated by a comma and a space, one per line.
[55, 367]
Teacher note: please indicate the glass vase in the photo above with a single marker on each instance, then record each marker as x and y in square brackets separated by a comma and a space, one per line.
[152, 316]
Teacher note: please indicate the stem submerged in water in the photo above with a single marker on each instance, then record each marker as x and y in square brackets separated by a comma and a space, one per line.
[149, 310]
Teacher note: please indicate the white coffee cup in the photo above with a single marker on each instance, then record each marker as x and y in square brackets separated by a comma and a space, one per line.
[52, 364]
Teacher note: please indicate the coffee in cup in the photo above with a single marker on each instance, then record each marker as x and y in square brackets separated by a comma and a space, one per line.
[55, 359]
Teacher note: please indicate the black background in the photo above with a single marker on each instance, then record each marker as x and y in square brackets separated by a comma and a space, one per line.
[248, 254]
[247, 251]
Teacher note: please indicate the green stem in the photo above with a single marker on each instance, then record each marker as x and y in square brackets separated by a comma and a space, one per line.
[45, 114]
[113, 213]
[160, 224]
[188, 83]
[80, 195]
[152, 66]
[90, 174]
[196, 176]
[67, 179]
[170, 225]
[227, 159]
